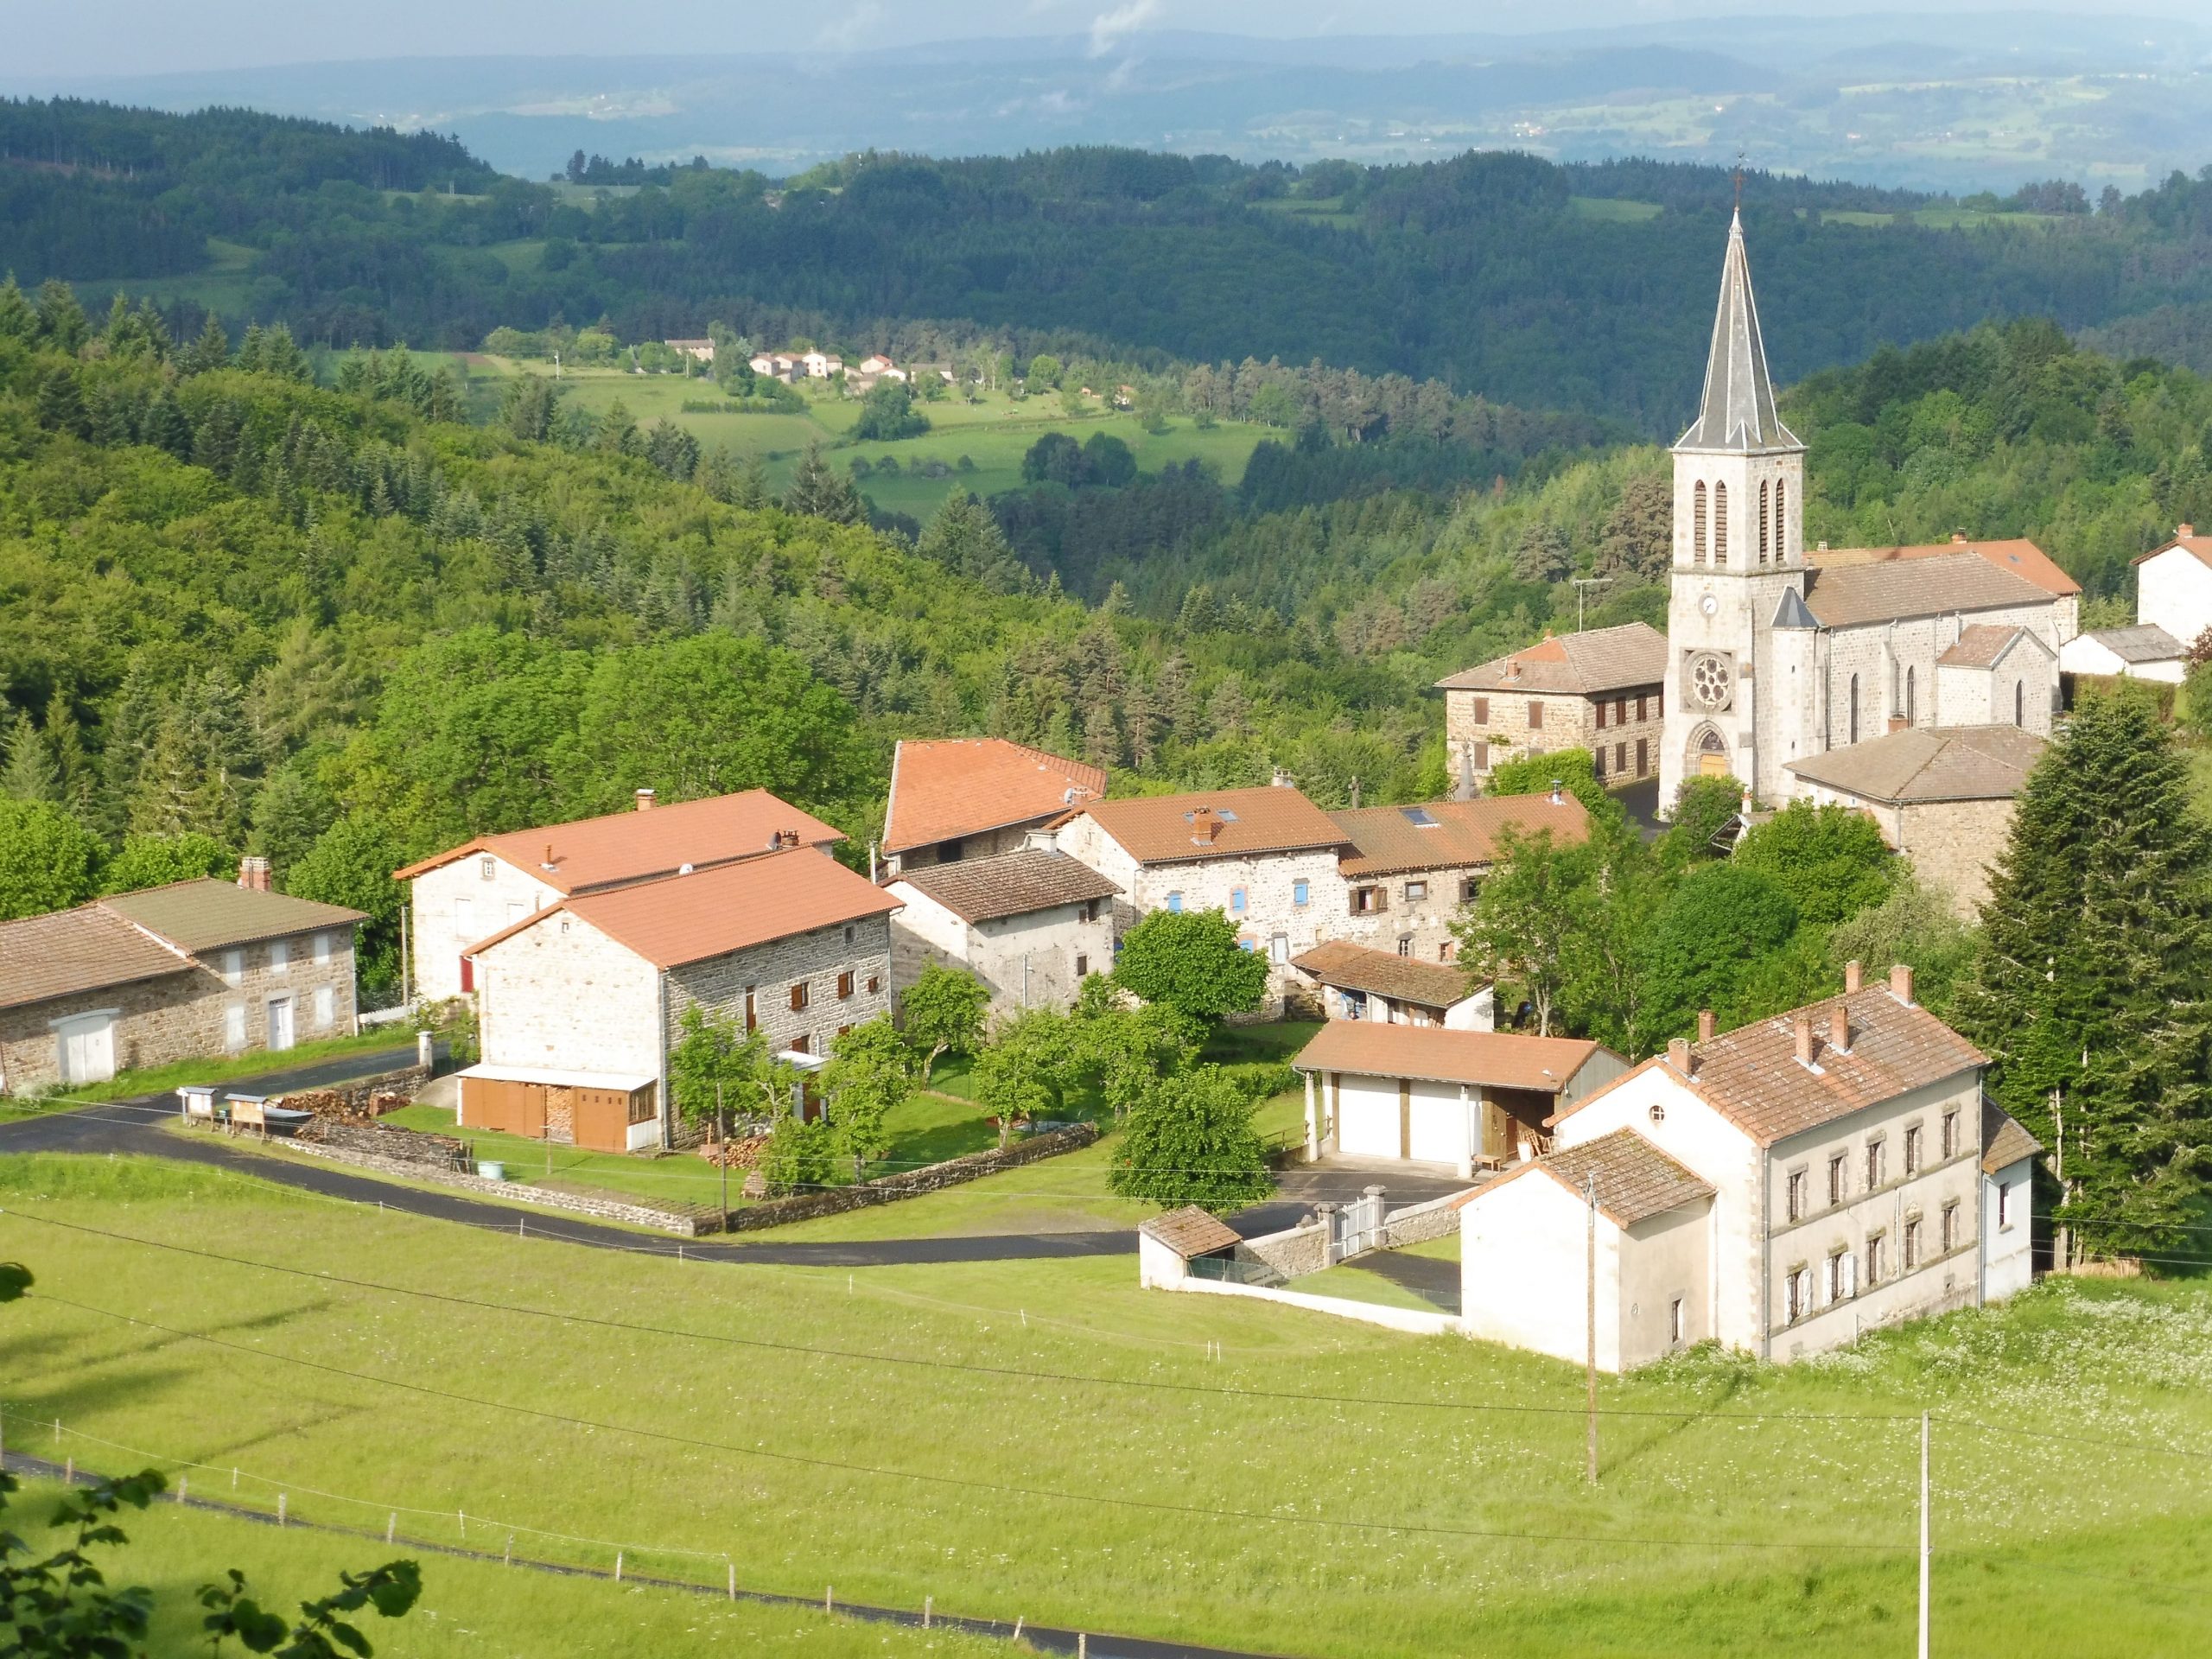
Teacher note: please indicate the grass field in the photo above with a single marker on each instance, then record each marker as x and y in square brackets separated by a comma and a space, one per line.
[213, 1069]
[1311, 1486]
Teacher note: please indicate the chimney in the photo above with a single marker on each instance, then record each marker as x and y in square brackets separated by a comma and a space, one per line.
[1281, 779]
[1204, 826]
[2183, 533]
[1901, 982]
[1804, 1034]
[1853, 976]
[1840, 1028]
[253, 874]
[1821, 548]
[1557, 798]
[645, 800]
[1513, 668]
[786, 838]
[1705, 1024]
[1896, 722]
[1745, 804]
[1678, 1054]
[1958, 539]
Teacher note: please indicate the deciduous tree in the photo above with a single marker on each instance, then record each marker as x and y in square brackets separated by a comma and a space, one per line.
[1192, 1141]
[943, 1013]
[1192, 962]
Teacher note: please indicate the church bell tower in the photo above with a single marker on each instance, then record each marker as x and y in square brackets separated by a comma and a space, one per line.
[1738, 562]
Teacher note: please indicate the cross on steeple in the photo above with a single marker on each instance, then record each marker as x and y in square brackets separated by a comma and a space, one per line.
[1740, 180]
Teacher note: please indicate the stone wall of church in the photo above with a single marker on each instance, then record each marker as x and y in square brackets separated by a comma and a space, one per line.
[1897, 661]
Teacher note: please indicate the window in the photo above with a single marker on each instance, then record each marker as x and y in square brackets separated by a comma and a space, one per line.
[1878, 1164]
[751, 1019]
[1482, 711]
[1481, 759]
[1950, 1134]
[1697, 524]
[1911, 696]
[874, 984]
[1677, 1322]
[1876, 1247]
[234, 1027]
[1912, 1150]
[1838, 1181]
[1415, 891]
[799, 996]
[1950, 1228]
[1720, 524]
[1797, 1290]
[487, 869]
[850, 935]
[326, 1007]
[1620, 711]
[1405, 944]
[799, 1044]
[1642, 757]
[1781, 521]
[1763, 524]
[948, 852]
[1598, 760]
[1082, 967]
[1448, 951]
[1536, 715]
[233, 966]
[1639, 711]
[1369, 901]
[641, 1107]
[1620, 757]
[842, 1030]
[1301, 893]
[844, 985]
[1174, 904]
[1912, 1243]
[1089, 912]
[1842, 1277]
[1601, 713]
[280, 956]
[1278, 948]
[1246, 942]
[1469, 888]
[1237, 901]
[464, 921]
[2003, 1206]
[2020, 702]
[322, 950]
[1795, 1190]
[1854, 705]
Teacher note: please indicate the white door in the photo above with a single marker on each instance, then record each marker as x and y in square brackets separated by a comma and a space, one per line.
[1368, 1118]
[1439, 1123]
[87, 1048]
[280, 1022]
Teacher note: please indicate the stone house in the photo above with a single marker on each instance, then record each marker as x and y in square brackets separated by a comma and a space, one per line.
[194, 967]
[1358, 983]
[1265, 857]
[1943, 797]
[580, 1002]
[1777, 1188]
[1428, 1094]
[1409, 868]
[467, 893]
[974, 797]
[1603, 690]
[2173, 586]
[702, 350]
[1030, 924]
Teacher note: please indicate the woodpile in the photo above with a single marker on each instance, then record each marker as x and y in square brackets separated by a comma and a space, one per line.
[340, 1103]
[744, 1152]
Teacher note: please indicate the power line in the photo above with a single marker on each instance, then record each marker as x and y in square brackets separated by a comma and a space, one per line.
[1018, 1373]
[967, 1482]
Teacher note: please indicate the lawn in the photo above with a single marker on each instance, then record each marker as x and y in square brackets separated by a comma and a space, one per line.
[1357, 1285]
[1068, 1447]
[222, 1068]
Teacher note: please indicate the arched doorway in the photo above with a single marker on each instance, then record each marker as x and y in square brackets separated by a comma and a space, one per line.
[1712, 754]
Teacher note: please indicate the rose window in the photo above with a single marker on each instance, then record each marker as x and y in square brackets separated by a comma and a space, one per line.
[1709, 678]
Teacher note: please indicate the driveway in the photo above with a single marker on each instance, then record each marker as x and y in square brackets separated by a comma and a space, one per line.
[1340, 1180]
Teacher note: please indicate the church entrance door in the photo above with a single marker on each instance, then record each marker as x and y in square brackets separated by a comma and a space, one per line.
[1712, 756]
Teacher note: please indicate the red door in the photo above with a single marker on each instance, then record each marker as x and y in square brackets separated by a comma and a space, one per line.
[467, 975]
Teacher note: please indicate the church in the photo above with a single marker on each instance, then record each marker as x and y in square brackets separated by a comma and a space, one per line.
[1777, 656]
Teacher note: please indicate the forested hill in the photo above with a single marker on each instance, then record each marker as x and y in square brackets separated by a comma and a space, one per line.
[1581, 287]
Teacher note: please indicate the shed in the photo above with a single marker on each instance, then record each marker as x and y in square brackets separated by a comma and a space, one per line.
[1167, 1243]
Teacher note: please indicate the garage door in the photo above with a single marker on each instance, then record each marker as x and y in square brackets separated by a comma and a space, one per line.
[1367, 1123]
[1439, 1126]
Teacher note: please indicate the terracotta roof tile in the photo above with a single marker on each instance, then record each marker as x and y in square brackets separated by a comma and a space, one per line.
[1984, 645]
[1217, 823]
[1190, 1231]
[1601, 659]
[1923, 763]
[947, 788]
[73, 950]
[2004, 1140]
[1844, 596]
[711, 912]
[2017, 556]
[1429, 984]
[1433, 1053]
[1446, 835]
[206, 914]
[1010, 884]
[631, 846]
[2197, 547]
[1636, 1181]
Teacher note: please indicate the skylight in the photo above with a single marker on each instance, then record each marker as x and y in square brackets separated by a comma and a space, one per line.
[1418, 816]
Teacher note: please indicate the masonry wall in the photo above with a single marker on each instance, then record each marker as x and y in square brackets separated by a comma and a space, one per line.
[564, 996]
[1424, 923]
[1663, 1258]
[2174, 592]
[1525, 1271]
[814, 959]
[188, 1014]
[1026, 961]
[984, 843]
[454, 905]
[1955, 844]
[2009, 1257]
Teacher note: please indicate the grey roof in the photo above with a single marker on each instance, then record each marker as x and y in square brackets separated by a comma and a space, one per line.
[1599, 660]
[1792, 612]
[1008, 884]
[2005, 1141]
[201, 915]
[72, 951]
[2145, 643]
[1929, 763]
[1737, 413]
[1848, 596]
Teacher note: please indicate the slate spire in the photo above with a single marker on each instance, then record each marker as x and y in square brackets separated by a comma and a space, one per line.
[1737, 413]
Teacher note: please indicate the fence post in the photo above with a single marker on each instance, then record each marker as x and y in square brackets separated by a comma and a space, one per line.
[510, 1550]
[69, 1471]
[733, 1580]
[929, 1603]
[463, 1514]
[280, 1509]
[182, 1482]
[390, 1525]
[829, 1597]
[618, 1567]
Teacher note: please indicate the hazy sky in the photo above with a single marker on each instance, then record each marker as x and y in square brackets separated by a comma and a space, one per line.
[90, 38]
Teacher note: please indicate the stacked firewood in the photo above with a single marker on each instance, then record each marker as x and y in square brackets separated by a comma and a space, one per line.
[743, 1153]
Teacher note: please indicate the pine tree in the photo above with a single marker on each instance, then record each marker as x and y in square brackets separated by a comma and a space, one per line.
[17, 320]
[61, 406]
[65, 740]
[212, 350]
[29, 774]
[820, 492]
[2090, 990]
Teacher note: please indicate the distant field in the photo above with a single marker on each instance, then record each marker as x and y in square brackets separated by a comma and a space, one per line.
[224, 284]
[1615, 209]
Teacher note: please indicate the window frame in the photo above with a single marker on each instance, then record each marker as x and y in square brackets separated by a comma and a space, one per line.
[1797, 1189]
[1839, 1180]
[845, 985]
[802, 995]
[1301, 893]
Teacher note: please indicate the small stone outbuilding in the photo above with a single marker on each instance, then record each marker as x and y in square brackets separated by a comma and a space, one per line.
[1030, 924]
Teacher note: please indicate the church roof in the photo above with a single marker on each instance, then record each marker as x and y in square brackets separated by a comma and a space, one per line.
[2016, 554]
[1737, 413]
[1929, 763]
[1849, 595]
[1581, 664]
[1984, 645]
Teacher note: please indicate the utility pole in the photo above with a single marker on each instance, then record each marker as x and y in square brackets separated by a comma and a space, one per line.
[2062, 1237]
[1923, 1536]
[1581, 585]
[1590, 1373]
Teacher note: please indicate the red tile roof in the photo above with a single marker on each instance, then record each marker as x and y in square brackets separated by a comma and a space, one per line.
[1635, 1180]
[631, 846]
[1427, 984]
[1218, 824]
[1191, 1232]
[2019, 555]
[1445, 834]
[73, 950]
[1498, 1059]
[711, 912]
[2197, 547]
[943, 789]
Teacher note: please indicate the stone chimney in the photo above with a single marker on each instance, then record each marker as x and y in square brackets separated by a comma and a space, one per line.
[1678, 1054]
[2183, 533]
[253, 874]
[1901, 982]
[1513, 668]
[1206, 827]
[1804, 1035]
[1559, 798]
[1853, 976]
[1840, 1028]
[645, 800]
[1705, 1024]
[1958, 538]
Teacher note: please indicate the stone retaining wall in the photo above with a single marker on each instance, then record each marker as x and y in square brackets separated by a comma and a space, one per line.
[368, 1096]
[423, 1154]
[889, 1189]
[1293, 1252]
[1417, 1223]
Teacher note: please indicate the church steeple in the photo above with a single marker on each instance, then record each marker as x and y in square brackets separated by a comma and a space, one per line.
[1736, 415]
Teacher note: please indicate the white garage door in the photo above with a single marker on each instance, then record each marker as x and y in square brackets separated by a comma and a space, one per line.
[1368, 1118]
[87, 1045]
[1439, 1123]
